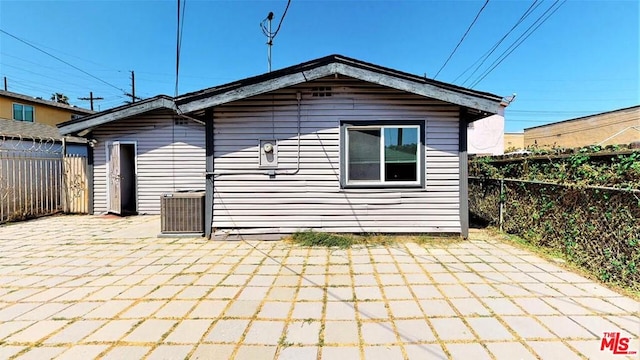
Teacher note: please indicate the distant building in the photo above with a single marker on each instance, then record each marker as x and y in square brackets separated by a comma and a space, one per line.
[26, 108]
[486, 136]
[22, 135]
[513, 141]
[613, 127]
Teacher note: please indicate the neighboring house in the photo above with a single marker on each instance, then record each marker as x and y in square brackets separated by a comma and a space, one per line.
[486, 136]
[26, 108]
[38, 138]
[334, 144]
[514, 141]
[609, 128]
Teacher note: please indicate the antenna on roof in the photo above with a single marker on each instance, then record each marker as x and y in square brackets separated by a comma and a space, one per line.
[269, 34]
[272, 34]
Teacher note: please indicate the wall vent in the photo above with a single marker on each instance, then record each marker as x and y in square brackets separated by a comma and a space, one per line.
[321, 91]
[182, 213]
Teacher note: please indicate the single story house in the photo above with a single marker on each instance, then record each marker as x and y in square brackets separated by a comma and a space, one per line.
[334, 144]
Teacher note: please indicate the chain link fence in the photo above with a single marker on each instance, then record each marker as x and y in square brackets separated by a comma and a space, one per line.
[597, 228]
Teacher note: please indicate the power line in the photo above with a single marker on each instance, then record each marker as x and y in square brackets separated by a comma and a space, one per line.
[24, 87]
[180, 25]
[30, 84]
[462, 39]
[583, 99]
[266, 31]
[66, 83]
[58, 70]
[57, 58]
[71, 84]
[31, 88]
[40, 65]
[55, 68]
[107, 68]
[281, 19]
[553, 111]
[495, 46]
[111, 103]
[517, 44]
[509, 120]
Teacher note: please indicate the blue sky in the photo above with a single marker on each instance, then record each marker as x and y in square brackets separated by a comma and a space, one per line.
[582, 60]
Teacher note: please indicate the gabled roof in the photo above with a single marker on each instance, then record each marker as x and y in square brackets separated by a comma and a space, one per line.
[21, 97]
[13, 129]
[121, 112]
[195, 102]
[342, 65]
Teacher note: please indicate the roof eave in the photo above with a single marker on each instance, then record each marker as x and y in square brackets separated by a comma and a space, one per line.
[425, 89]
[242, 92]
[201, 101]
[89, 122]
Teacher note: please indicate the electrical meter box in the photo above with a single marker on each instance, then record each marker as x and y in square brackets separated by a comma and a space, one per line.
[268, 154]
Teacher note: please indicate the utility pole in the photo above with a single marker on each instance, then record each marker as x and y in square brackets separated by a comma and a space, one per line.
[132, 95]
[91, 98]
[5, 83]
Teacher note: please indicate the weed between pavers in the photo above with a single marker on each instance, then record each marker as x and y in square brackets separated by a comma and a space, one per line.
[312, 238]
[284, 343]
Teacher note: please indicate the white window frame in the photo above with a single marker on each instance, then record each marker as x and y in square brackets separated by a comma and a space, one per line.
[23, 106]
[382, 183]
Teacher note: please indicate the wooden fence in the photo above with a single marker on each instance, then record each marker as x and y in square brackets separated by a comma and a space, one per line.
[38, 183]
[75, 189]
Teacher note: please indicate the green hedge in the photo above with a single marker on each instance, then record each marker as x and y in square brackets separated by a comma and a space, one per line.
[597, 229]
[590, 166]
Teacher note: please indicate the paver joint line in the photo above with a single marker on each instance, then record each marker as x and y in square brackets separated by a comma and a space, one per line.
[87, 286]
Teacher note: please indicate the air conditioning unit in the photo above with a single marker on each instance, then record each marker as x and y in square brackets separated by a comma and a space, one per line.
[182, 213]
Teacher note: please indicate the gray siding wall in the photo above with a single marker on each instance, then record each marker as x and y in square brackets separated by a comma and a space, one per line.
[312, 198]
[169, 157]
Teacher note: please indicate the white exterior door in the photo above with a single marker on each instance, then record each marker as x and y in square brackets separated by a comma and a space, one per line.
[113, 176]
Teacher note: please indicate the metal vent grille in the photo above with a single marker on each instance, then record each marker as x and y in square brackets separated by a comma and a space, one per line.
[182, 213]
[321, 91]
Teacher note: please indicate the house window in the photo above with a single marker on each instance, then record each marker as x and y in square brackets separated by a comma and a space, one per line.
[386, 154]
[23, 112]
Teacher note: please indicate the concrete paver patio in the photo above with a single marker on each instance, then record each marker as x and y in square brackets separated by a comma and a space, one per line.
[80, 287]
